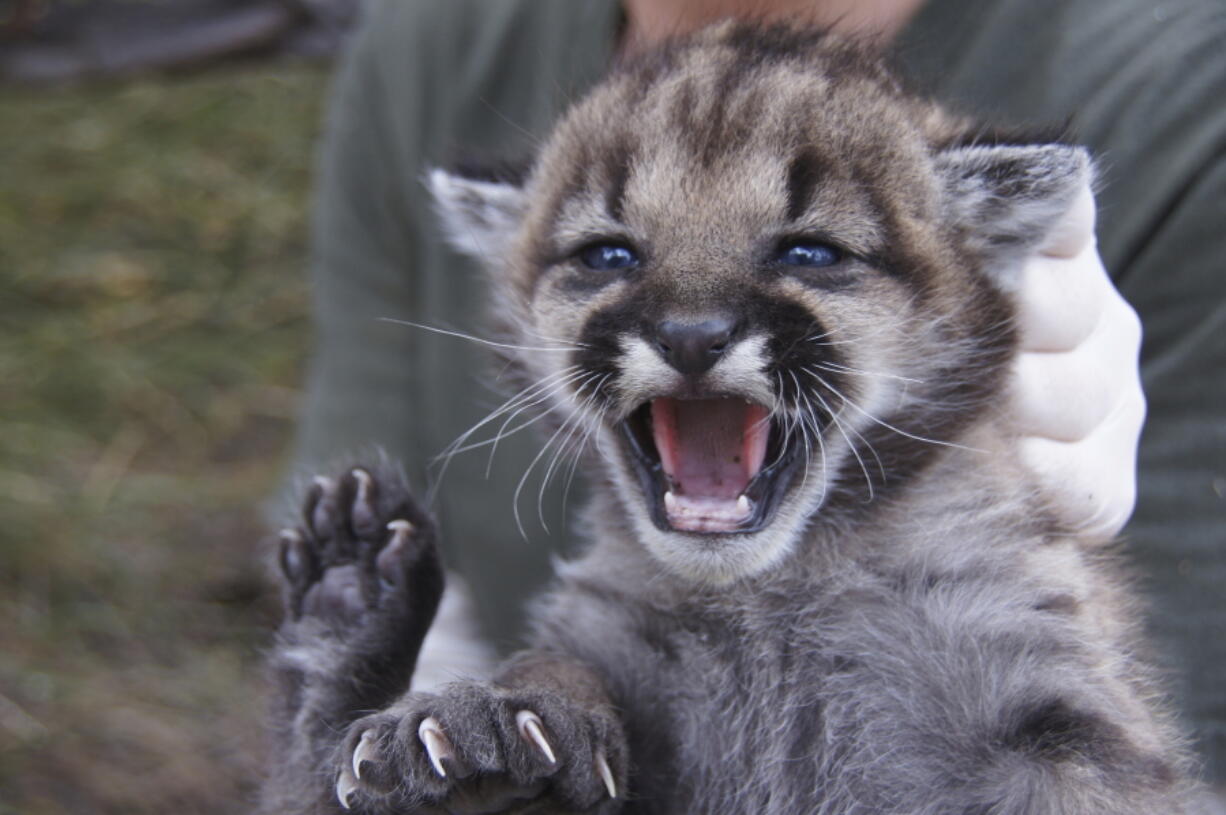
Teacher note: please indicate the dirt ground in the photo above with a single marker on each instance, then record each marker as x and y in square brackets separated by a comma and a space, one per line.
[153, 334]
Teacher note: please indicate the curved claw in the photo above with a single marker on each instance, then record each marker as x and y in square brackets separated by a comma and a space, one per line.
[345, 787]
[320, 515]
[436, 744]
[532, 729]
[365, 751]
[292, 558]
[400, 530]
[387, 561]
[606, 774]
[365, 516]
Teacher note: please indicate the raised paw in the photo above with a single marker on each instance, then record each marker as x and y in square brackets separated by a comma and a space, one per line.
[478, 748]
[362, 578]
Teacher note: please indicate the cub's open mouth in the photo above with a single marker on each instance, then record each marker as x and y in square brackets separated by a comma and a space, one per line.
[709, 465]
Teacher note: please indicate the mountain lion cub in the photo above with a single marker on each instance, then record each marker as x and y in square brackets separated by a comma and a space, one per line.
[764, 292]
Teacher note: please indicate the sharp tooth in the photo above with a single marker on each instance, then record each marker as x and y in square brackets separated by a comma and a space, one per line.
[742, 504]
[670, 501]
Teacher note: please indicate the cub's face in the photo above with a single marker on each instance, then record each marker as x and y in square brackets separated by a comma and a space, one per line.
[780, 284]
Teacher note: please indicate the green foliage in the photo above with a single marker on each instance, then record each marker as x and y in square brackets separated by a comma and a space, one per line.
[153, 330]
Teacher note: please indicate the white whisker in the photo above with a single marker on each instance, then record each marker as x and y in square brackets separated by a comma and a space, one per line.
[543, 397]
[577, 418]
[834, 417]
[527, 398]
[843, 428]
[836, 368]
[886, 424]
[531, 394]
[593, 430]
[527, 472]
[491, 343]
[804, 426]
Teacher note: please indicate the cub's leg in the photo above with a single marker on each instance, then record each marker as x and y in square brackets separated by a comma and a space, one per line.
[541, 738]
[361, 580]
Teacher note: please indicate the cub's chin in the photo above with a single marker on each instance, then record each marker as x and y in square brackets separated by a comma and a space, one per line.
[719, 558]
[714, 484]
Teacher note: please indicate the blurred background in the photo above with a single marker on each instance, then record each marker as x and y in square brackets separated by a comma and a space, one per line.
[155, 170]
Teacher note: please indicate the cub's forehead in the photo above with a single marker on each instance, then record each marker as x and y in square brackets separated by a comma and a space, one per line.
[742, 126]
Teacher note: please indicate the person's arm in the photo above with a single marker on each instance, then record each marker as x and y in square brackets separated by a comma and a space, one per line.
[371, 256]
[366, 241]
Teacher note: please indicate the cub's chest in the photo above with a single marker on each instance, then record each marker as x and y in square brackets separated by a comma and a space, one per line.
[725, 698]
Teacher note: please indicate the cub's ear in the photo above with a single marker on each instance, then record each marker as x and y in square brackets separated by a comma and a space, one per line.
[1006, 198]
[480, 216]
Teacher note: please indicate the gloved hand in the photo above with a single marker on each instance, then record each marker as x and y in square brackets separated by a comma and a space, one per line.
[1076, 388]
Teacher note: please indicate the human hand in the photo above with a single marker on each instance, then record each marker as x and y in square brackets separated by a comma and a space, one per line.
[1077, 399]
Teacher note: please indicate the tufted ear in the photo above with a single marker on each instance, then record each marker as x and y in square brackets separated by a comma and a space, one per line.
[480, 216]
[1006, 199]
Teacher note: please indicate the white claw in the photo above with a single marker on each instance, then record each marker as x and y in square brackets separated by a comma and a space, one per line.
[437, 746]
[365, 751]
[345, 787]
[323, 482]
[743, 505]
[606, 774]
[530, 727]
[291, 553]
[364, 480]
[399, 527]
[670, 501]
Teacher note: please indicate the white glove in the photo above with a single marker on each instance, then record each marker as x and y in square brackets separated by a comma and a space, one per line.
[1076, 386]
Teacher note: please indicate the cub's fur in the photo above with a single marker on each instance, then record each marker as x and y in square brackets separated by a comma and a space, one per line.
[817, 580]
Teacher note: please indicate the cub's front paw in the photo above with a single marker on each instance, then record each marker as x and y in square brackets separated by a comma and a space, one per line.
[362, 581]
[482, 748]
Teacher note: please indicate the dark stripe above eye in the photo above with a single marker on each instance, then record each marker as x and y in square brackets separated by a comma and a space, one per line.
[617, 170]
[805, 171]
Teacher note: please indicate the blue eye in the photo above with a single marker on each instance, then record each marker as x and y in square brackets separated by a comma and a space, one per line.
[810, 254]
[606, 256]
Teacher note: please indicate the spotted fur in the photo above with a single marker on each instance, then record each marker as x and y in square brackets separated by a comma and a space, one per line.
[911, 631]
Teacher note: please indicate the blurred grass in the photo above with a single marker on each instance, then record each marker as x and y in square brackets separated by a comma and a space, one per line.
[152, 333]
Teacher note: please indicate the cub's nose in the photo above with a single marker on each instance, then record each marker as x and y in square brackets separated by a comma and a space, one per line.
[692, 348]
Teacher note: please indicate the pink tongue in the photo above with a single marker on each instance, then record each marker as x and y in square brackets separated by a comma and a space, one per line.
[711, 448]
